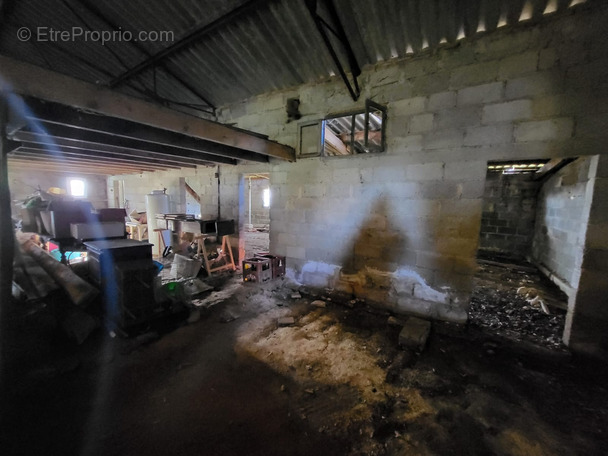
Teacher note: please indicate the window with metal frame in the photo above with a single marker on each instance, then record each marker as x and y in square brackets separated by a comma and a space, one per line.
[353, 133]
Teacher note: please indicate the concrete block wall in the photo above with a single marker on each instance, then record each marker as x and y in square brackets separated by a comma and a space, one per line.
[559, 237]
[587, 320]
[509, 214]
[260, 215]
[23, 184]
[402, 227]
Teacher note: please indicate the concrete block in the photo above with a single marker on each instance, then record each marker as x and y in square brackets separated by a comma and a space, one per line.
[509, 111]
[405, 144]
[547, 58]
[296, 252]
[443, 100]
[534, 85]
[426, 171]
[485, 93]
[518, 64]
[444, 139]
[475, 74]
[421, 123]
[544, 130]
[407, 107]
[431, 83]
[415, 333]
[458, 117]
[466, 170]
[494, 134]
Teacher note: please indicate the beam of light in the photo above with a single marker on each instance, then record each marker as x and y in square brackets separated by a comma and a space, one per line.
[105, 378]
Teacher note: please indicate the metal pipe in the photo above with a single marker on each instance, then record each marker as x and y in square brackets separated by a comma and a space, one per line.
[249, 201]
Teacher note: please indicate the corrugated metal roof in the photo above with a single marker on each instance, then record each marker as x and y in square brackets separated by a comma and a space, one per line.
[274, 46]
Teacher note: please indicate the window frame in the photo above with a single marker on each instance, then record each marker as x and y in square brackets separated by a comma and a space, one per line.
[369, 106]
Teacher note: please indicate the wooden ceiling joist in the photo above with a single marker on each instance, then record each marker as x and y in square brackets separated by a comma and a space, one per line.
[30, 139]
[99, 156]
[41, 156]
[33, 81]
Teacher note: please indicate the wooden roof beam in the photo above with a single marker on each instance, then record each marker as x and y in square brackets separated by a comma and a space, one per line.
[29, 80]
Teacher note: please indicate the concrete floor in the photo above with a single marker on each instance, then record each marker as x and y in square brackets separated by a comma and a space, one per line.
[335, 383]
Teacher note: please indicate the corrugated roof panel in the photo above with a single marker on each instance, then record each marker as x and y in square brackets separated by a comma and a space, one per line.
[273, 47]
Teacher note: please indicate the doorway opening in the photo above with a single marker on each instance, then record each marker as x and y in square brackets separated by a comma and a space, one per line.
[255, 215]
[513, 296]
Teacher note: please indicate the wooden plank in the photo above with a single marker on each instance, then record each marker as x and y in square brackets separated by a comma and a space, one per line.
[551, 167]
[30, 80]
[28, 138]
[192, 193]
[100, 156]
[28, 165]
[41, 156]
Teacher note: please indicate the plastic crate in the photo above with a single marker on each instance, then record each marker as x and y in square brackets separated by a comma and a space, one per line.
[257, 270]
[277, 261]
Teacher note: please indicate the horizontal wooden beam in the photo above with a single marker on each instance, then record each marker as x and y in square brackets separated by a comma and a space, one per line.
[27, 165]
[34, 158]
[50, 158]
[28, 138]
[52, 133]
[100, 156]
[53, 113]
[30, 80]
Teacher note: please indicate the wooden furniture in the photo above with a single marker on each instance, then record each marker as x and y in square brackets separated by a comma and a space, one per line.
[224, 260]
[124, 271]
[137, 231]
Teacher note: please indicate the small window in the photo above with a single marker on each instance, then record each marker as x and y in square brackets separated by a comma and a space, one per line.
[351, 134]
[266, 197]
[77, 188]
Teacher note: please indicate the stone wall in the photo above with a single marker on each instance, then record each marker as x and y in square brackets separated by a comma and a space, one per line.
[509, 213]
[401, 228]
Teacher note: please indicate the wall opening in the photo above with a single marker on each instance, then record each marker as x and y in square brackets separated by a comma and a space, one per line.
[255, 215]
[512, 296]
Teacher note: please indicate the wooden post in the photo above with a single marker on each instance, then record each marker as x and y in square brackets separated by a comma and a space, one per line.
[7, 236]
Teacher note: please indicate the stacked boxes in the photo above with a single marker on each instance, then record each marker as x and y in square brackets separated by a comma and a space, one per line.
[277, 261]
[257, 270]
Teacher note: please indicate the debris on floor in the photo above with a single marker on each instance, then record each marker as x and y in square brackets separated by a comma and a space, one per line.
[414, 333]
[504, 303]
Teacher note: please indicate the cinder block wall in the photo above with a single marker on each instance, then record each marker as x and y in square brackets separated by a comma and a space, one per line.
[561, 221]
[24, 183]
[402, 227]
[260, 215]
[587, 319]
[509, 213]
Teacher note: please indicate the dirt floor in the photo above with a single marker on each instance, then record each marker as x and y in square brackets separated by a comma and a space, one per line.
[232, 382]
